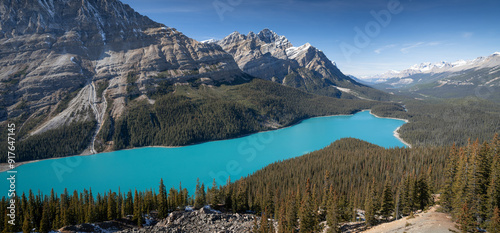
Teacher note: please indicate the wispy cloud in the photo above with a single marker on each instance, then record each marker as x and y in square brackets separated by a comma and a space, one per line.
[409, 47]
[379, 50]
[467, 35]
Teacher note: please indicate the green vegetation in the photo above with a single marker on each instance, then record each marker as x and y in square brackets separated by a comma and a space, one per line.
[472, 188]
[444, 122]
[187, 114]
[64, 141]
[328, 184]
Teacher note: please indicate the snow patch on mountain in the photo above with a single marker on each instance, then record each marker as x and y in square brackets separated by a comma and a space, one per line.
[293, 52]
[209, 41]
[434, 68]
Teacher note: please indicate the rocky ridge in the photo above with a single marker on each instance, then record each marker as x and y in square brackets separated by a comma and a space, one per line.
[204, 220]
[270, 56]
[53, 50]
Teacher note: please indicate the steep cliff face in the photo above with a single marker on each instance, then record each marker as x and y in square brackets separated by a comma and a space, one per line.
[52, 49]
[270, 56]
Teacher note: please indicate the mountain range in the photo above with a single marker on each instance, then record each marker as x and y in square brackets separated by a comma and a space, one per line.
[88, 66]
[478, 77]
[270, 56]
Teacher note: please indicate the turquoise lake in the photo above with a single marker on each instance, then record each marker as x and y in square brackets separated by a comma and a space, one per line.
[142, 168]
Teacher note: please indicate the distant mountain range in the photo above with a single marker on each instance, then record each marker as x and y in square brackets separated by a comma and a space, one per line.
[479, 77]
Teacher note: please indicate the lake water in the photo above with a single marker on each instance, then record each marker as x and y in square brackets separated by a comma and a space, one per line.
[142, 168]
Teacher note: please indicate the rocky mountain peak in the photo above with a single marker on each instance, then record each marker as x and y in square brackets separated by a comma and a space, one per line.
[66, 46]
[270, 56]
[19, 17]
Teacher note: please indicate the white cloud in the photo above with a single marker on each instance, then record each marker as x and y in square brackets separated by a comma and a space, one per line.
[379, 50]
[409, 47]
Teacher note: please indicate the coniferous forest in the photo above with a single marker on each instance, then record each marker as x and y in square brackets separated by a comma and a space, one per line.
[350, 180]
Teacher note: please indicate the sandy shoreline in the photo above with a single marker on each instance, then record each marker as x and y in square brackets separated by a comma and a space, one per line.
[5, 166]
[396, 133]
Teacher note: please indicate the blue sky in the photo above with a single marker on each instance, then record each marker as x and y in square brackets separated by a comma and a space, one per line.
[347, 30]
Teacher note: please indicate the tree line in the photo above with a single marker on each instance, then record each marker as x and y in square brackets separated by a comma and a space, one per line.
[336, 184]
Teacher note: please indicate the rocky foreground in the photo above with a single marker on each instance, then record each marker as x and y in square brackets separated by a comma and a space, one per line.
[203, 220]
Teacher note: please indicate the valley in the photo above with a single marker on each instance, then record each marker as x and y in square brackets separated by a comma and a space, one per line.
[125, 123]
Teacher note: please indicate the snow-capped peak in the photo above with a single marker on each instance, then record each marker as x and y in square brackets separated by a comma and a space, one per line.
[496, 54]
[458, 63]
[293, 52]
[209, 41]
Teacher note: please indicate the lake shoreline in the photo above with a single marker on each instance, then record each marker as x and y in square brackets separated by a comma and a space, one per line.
[396, 133]
[5, 166]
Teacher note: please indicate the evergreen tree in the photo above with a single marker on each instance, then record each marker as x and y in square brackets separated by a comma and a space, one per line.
[495, 221]
[371, 206]
[162, 201]
[111, 208]
[199, 200]
[264, 223]
[450, 173]
[387, 201]
[332, 215]
[494, 184]
[460, 184]
[465, 219]
[423, 196]
[45, 222]
[138, 218]
[308, 220]
[26, 225]
[291, 218]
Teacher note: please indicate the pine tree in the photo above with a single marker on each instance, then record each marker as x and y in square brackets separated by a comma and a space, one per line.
[291, 218]
[199, 200]
[484, 161]
[138, 218]
[460, 185]
[308, 220]
[332, 215]
[162, 201]
[387, 201]
[45, 223]
[495, 221]
[264, 223]
[423, 196]
[7, 227]
[26, 224]
[111, 207]
[466, 219]
[450, 173]
[371, 205]
[282, 224]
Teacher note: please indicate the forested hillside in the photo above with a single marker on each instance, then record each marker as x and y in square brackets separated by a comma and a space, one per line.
[186, 114]
[348, 175]
[444, 122]
[472, 189]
